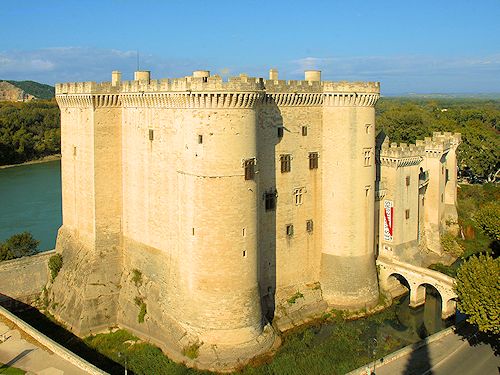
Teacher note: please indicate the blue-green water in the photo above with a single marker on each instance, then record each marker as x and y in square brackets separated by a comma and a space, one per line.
[30, 200]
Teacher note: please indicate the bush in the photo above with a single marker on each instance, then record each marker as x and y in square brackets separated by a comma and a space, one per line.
[450, 245]
[55, 265]
[137, 277]
[139, 301]
[192, 351]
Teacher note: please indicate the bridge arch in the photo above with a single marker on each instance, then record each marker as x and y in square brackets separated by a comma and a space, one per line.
[392, 272]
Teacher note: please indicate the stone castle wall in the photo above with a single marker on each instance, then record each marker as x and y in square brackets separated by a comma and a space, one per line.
[159, 211]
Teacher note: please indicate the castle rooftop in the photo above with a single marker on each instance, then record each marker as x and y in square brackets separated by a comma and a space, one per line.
[202, 81]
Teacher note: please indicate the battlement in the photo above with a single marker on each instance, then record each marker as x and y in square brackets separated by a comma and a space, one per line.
[214, 83]
[394, 155]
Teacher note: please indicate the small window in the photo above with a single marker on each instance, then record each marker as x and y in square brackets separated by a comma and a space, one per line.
[313, 160]
[192, 231]
[280, 131]
[74, 150]
[309, 226]
[286, 163]
[442, 198]
[243, 232]
[407, 214]
[200, 139]
[407, 180]
[368, 128]
[270, 200]
[297, 193]
[249, 169]
[367, 153]
[304, 131]
[244, 253]
[447, 175]
[151, 134]
[289, 230]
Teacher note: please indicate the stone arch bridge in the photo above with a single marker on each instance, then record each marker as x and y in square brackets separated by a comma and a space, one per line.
[417, 278]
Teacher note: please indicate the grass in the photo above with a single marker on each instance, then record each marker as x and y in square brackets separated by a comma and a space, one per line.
[329, 346]
[7, 370]
[142, 358]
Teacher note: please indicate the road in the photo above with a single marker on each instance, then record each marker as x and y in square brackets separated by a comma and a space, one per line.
[451, 354]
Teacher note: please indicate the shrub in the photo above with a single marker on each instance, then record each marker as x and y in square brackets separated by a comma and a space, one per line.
[450, 245]
[55, 265]
[294, 298]
[137, 277]
[192, 351]
[139, 301]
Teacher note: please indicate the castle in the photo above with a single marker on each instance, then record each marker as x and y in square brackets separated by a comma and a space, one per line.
[197, 210]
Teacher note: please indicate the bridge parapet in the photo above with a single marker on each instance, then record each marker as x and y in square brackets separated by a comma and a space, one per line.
[416, 278]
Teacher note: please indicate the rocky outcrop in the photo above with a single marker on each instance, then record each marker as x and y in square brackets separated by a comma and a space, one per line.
[12, 93]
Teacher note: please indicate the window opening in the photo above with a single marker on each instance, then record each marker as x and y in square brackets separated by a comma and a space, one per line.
[280, 131]
[289, 230]
[304, 131]
[249, 165]
[200, 139]
[298, 195]
[407, 214]
[151, 134]
[407, 180]
[367, 152]
[313, 160]
[309, 225]
[270, 200]
[286, 163]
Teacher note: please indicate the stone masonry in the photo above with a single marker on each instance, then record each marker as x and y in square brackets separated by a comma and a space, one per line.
[217, 207]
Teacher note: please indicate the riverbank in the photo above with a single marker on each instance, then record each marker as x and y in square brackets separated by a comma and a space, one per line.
[45, 159]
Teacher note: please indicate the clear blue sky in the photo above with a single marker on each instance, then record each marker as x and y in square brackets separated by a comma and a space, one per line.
[410, 46]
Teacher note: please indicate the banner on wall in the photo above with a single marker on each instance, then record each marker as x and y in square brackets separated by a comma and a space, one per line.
[388, 220]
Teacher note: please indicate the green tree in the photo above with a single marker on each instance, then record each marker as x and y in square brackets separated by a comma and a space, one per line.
[19, 245]
[488, 219]
[478, 289]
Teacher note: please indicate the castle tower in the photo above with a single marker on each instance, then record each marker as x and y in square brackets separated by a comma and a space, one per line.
[88, 286]
[217, 288]
[348, 274]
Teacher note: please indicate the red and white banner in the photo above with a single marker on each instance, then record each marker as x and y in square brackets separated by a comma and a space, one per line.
[388, 220]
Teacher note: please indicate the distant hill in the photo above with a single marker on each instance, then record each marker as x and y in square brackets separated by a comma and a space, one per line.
[29, 88]
[486, 96]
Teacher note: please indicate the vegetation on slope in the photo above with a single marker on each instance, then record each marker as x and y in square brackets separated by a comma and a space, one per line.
[39, 90]
[28, 131]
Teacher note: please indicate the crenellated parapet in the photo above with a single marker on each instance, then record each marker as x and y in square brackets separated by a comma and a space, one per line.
[402, 155]
[205, 91]
[439, 143]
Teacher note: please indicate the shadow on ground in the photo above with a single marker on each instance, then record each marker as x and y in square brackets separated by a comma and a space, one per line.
[59, 334]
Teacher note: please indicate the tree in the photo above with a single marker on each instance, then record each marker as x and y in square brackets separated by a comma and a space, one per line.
[478, 290]
[488, 218]
[19, 245]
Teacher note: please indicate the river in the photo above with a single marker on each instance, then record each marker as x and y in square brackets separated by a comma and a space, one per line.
[30, 200]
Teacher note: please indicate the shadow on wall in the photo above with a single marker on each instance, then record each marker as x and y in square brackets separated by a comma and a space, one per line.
[59, 334]
[270, 121]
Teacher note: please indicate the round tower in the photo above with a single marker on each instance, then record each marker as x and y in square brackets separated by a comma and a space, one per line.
[217, 292]
[348, 273]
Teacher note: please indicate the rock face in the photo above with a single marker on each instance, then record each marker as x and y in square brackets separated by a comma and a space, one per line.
[10, 92]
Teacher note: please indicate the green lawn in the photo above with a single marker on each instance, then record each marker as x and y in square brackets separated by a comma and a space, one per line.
[7, 370]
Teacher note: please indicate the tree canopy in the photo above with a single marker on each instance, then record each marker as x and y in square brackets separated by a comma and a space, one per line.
[406, 120]
[28, 130]
[19, 245]
[478, 289]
